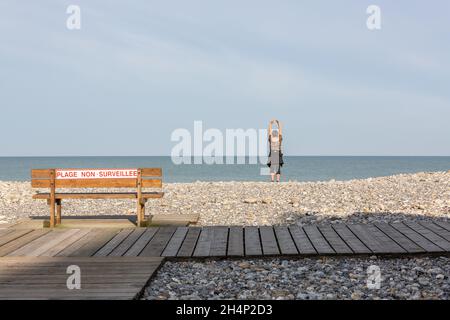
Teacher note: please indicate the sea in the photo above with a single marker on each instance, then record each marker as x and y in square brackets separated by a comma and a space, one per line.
[295, 168]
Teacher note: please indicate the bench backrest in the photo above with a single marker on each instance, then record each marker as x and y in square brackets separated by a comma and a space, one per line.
[97, 178]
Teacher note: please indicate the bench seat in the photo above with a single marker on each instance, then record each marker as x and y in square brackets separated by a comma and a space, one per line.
[100, 195]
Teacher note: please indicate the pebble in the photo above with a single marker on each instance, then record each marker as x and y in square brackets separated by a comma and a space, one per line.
[403, 197]
[302, 278]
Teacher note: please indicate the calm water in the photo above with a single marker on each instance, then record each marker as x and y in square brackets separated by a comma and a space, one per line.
[295, 168]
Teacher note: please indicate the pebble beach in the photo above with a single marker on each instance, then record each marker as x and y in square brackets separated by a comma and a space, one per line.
[403, 197]
[394, 198]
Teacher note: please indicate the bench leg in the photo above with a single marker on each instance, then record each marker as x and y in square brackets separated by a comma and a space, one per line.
[140, 213]
[58, 211]
[52, 213]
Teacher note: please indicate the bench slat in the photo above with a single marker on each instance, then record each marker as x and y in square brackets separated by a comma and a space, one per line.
[101, 195]
[151, 172]
[96, 183]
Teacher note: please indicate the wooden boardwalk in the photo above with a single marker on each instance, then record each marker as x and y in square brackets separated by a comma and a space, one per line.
[197, 242]
[117, 263]
[100, 278]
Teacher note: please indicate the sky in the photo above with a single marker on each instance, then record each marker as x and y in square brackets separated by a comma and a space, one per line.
[138, 70]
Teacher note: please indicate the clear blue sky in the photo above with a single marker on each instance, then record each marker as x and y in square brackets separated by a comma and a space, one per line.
[139, 69]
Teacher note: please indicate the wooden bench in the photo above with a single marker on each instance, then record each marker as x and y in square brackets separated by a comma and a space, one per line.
[96, 178]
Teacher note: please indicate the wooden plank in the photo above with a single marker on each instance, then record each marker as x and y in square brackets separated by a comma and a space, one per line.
[252, 241]
[40, 173]
[368, 238]
[301, 240]
[398, 237]
[430, 235]
[76, 245]
[350, 239]
[318, 241]
[436, 229]
[11, 236]
[5, 231]
[20, 242]
[287, 245]
[384, 240]
[32, 246]
[175, 243]
[335, 240]
[98, 282]
[46, 244]
[268, 241]
[140, 244]
[95, 243]
[189, 243]
[443, 224]
[96, 183]
[151, 172]
[203, 246]
[236, 242]
[127, 243]
[113, 243]
[219, 242]
[416, 237]
[159, 242]
[99, 195]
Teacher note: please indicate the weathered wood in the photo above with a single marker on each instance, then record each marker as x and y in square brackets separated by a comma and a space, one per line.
[430, 235]
[113, 243]
[236, 242]
[219, 242]
[54, 250]
[127, 243]
[13, 235]
[78, 244]
[436, 229]
[189, 243]
[384, 240]
[304, 246]
[203, 246]
[368, 238]
[416, 238]
[252, 241]
[350, 239]
[175, 243]
[443, 224]
[5, 231]
[98, 282]
[268, 241]
[285, 242]
[317, 240]
[335, 240]
[140, 244]
[20, 242]
[43, 244]
[158, 243]
[398, 237]
[90, 247]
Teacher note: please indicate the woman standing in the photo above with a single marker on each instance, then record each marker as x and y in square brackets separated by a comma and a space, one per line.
[275, 156]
